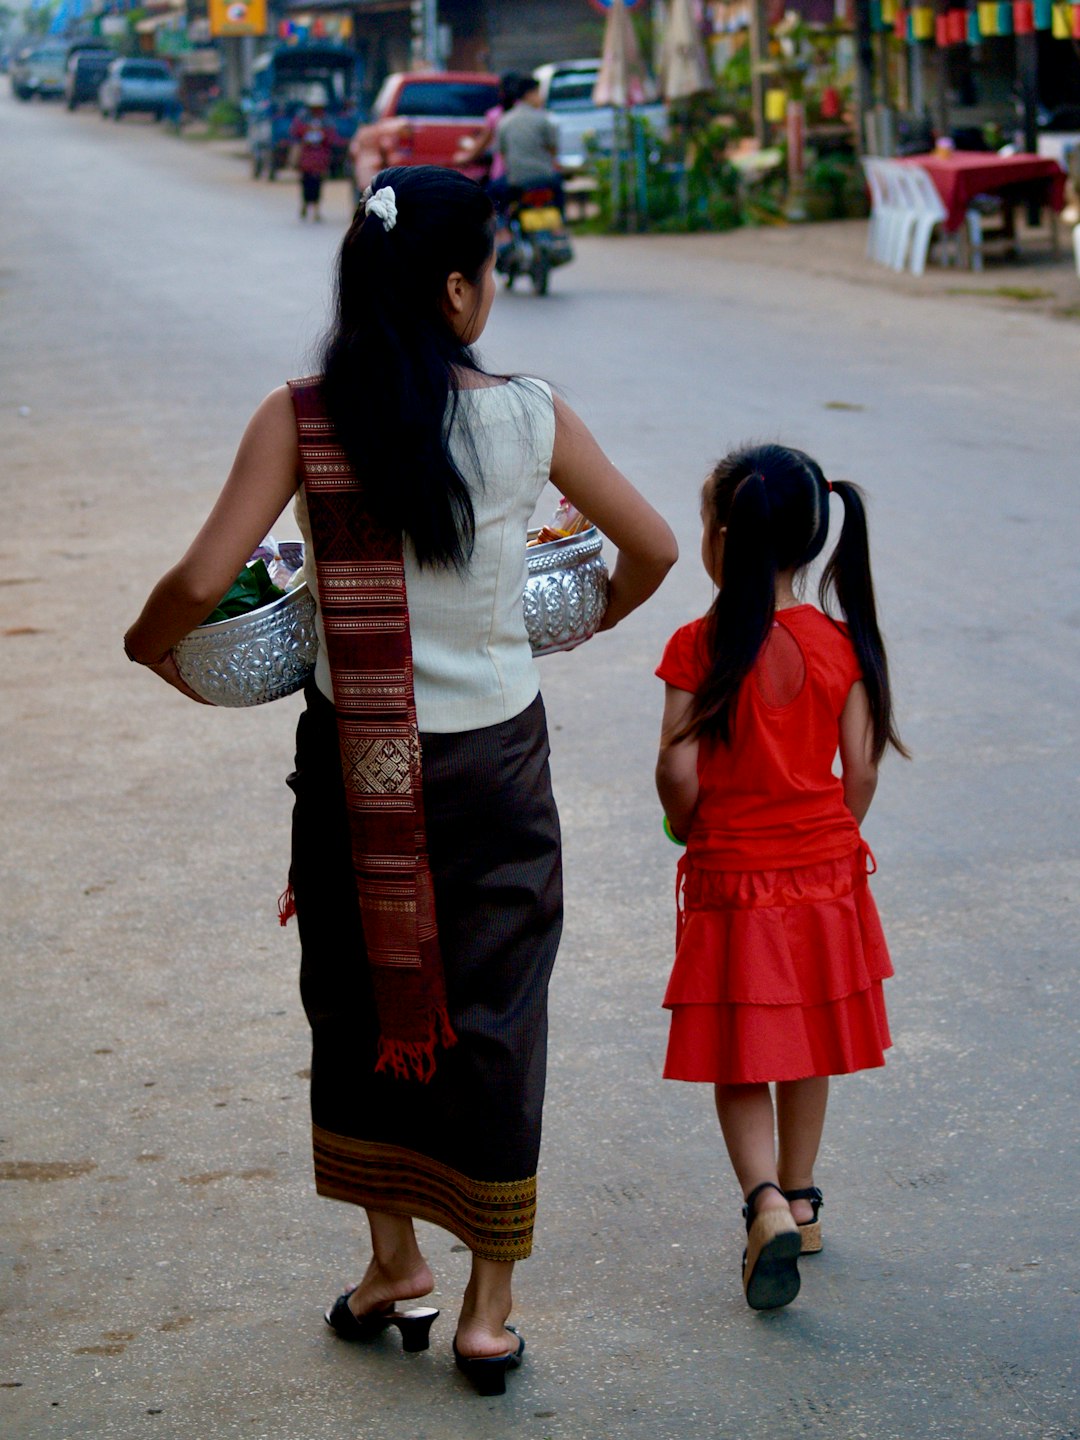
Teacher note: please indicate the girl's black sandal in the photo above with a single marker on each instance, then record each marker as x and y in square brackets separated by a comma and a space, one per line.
[810, 1230]
[414, 1325]
[771, 1257]
[488, 1372]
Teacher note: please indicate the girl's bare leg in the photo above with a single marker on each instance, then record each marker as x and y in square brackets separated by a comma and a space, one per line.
[746, 1120]
[800, 1119]
[397, 1270]
[486, 1309]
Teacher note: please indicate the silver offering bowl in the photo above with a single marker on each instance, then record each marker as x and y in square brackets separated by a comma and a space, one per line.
[253, 658]
[566, 591]
[268, 653]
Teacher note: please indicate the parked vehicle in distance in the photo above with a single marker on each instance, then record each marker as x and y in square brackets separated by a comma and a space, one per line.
[282, 82]
[148, 86]
[566, 89]
[84, 74]
[39, 70]
[421, 118]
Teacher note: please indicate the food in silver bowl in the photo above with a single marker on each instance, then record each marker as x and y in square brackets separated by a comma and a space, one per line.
[253, 658]
[268, 653]
[566, 590]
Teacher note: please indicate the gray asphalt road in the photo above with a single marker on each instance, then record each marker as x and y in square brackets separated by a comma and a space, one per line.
[166, 1258]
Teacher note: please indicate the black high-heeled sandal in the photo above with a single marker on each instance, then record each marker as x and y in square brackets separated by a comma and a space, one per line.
[810, 1230]
[414, 1325]
[488, 1372]
[771, 1257]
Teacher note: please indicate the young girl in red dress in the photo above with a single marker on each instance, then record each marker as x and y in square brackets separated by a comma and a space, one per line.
[780, 954]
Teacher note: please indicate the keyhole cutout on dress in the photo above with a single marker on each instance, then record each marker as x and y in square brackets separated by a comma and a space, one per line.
[780, 671]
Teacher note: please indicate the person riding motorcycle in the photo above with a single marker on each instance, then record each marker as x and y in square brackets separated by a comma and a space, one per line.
[529, 144]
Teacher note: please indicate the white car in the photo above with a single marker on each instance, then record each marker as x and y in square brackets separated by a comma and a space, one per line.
[147, 85]
[39, 70]
[566, 88]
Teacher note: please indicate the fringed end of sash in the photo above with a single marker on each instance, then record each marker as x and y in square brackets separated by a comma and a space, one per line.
[415, 1059]
[286, 906]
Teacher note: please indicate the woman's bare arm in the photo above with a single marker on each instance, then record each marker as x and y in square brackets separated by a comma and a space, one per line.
[263, 478]
[646, 544]
[676, 765]
[857, 761]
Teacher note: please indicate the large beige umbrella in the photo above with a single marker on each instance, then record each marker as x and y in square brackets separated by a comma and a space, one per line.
[623, 79]
[684, 69]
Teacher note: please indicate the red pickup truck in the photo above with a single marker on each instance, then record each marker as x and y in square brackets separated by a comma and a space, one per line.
[421, 118]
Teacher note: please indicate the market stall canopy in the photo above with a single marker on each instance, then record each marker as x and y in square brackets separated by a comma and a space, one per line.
[623, 79]
[684, 69]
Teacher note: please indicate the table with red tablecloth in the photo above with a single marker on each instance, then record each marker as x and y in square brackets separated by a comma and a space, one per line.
[1016, 179]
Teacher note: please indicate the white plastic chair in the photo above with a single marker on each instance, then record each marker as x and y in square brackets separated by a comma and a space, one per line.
[885, 209]
[907, 213]
[921, 211]
[929, 212]
[877, 204]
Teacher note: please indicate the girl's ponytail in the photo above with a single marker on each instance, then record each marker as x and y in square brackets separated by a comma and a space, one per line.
[742, 613]
[847, 574]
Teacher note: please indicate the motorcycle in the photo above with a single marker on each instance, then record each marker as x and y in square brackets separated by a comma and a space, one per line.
[538, 240]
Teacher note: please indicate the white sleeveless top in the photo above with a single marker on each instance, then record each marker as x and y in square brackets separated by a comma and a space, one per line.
[472, 663]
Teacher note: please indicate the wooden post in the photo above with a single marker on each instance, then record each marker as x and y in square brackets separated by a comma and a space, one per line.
[1027, 74]
[759, 44]
[864, 68]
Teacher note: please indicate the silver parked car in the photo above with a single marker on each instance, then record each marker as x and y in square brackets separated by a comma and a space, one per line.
[39, 70]
[146, 85]
[566, 91]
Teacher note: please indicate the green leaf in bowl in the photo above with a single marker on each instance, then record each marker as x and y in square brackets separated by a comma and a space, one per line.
[251, 589]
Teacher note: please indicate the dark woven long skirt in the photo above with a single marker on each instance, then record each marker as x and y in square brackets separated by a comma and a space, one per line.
[462, 1150]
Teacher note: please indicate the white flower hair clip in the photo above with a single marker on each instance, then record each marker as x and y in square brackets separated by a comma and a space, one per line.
[382, 204]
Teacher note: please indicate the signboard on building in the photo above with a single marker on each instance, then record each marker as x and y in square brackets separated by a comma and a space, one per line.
[237, 17]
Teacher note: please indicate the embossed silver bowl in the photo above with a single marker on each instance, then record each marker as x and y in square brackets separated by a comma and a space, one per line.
[269, 653]
[254, 658]
[566, 591]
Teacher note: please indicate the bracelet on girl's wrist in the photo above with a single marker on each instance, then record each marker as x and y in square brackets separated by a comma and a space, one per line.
[671, 833]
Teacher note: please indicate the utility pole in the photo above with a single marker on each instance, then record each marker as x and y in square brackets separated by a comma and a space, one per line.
[864, 74]
[759, 42]
[425, 33]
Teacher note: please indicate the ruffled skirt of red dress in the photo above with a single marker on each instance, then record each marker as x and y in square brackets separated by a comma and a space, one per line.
[777, 974]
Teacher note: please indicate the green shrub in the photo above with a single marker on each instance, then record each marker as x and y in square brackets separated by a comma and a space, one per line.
[835, 189]
[225, 118]
[674, 183]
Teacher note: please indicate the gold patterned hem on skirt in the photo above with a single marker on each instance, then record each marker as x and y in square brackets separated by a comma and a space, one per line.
[494, 1218]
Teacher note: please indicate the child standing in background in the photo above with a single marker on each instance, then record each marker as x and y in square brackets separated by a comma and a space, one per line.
[313, 139]
[780, 954]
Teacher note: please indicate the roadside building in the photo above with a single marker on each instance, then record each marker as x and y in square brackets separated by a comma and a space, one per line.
[494, 35]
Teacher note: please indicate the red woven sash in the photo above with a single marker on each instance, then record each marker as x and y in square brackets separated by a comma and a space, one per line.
[365, 615]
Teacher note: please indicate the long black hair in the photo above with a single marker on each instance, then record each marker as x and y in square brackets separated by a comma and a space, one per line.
[390, 358]
[774, 502]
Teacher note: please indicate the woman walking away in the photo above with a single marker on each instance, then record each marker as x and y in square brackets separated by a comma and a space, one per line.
[314, 140]
[426, 856]
[780, 954]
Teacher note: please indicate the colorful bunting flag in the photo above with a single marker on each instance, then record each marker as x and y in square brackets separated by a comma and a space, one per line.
[988, 17]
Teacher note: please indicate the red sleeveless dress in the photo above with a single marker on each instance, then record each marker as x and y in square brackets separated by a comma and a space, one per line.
[780, 953]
